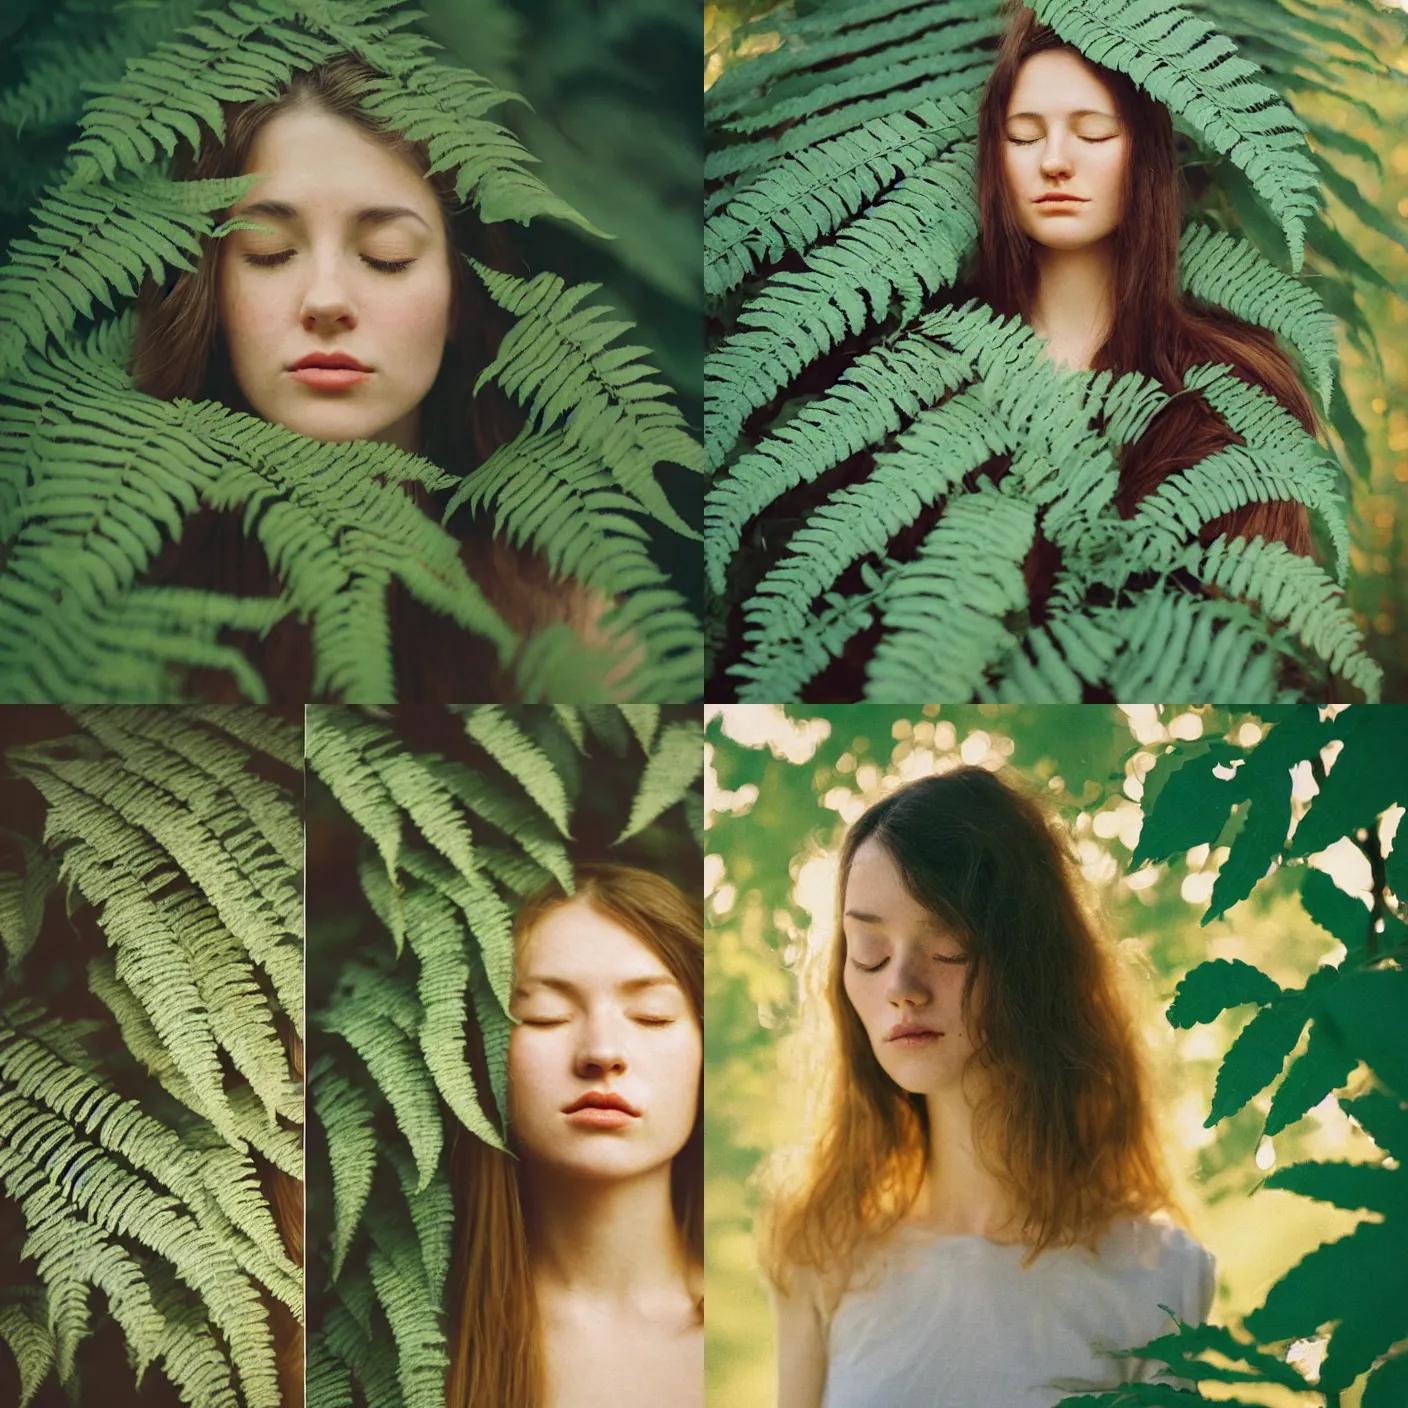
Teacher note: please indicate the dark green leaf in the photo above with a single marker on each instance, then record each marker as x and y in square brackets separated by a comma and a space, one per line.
[1370, 1014]
[1322, 1067]
[1350, 1186]
[1212, 987]
[1192, 806]
[1338, 913]
[1255, 1059]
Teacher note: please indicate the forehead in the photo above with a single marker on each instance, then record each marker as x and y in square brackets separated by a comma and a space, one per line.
[576, 943]
[875, 886]
[1059, 82]
[327, 165]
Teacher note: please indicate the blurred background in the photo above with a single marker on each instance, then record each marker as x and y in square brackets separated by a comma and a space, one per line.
[781, 788]
[1369, 290]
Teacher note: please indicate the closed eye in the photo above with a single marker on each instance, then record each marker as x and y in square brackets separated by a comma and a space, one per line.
[545, 1021]
[384, 266]
[871, 968]
[1031, 141]
[654, 1021]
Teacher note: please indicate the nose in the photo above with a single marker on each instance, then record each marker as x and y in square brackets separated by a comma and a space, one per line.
[327, 302]
[601, 1051]
[907, 986]
[1056, 156]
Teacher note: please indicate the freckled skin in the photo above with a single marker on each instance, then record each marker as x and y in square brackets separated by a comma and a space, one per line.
[645, 1046]
[326, 297]
[917, 974]
[1063, 134]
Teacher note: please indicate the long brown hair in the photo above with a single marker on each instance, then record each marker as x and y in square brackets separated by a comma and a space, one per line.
[496, 1349]
[1156, 330]
[1065, 1121]
[179, 351]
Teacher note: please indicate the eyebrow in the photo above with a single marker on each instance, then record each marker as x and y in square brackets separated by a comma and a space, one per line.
[630, 985]
[1082, 112]
[372, 215]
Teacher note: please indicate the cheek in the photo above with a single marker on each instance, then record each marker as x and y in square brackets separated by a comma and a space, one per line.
[532, 1064]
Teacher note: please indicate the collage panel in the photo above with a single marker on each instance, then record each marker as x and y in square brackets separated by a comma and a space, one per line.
[151, 1058]
[505, 987]
[349, 351]
[1054, 351]
[1056, 1055]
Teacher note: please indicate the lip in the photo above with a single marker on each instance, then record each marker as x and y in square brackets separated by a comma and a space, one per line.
[1061, 200]
[329, 359]
[329, 371]
[601, 1100]
[908, 1034]
[600, 1109]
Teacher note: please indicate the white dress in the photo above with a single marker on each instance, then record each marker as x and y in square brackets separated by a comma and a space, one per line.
[957, 1322]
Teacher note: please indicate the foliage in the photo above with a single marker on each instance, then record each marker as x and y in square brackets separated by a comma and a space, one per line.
[798, 775]
[842, 210]
[336, 542]
[1355, 1007]
[146, 1086]
[445, 842]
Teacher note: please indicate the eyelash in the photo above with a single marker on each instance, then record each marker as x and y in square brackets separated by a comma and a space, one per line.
[876, 967]
[562, 1021]
[1032, 141]
[384, 266]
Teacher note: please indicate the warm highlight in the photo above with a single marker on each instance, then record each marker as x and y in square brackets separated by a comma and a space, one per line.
[496, 1348]
[1157, 330]
[1065, 1121]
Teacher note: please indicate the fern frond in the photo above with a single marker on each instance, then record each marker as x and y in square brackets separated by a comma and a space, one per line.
[22, 899]
[345, 1114]
[670, 771]
[870, 400]
[242, 53]
[944, 611]
[931, 459]
[1229, 273]
[496, 732]
[32, 1343]
[435, 936]
[404, 1294]
[73, 62]
[809, 193]
[910, 243]
[381, 1021]
[1294, 590]
[1188, 65]
[556, 362]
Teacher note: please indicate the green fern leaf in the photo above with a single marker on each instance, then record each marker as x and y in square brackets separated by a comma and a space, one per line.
[669, 772]
[346, 1117]
[32, 1344]
[1229, 273]
[555, 361]
[495, 732]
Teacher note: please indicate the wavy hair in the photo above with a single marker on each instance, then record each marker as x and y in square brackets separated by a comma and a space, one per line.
[1157, 330]
[179, 351]
[1064, 1119]
[496, 1348]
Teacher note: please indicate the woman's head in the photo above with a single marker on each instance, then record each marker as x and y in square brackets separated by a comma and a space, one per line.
[960, 916]
[608, 988]
[609, 992]
[1053, 122]
[354, 264]
[338, 270]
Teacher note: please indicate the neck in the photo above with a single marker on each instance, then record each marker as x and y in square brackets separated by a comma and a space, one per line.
[961, 1196]
[1074, 303]
[613, 1239]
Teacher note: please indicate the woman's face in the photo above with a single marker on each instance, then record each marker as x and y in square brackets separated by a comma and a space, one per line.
[604, 1064]
[1063, 138]
[904, 976]
[355, 266]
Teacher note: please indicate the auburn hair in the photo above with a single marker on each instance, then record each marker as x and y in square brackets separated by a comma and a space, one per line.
[179, 351]
[1156, 330]
[496, 1348]
[1063, 1117]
